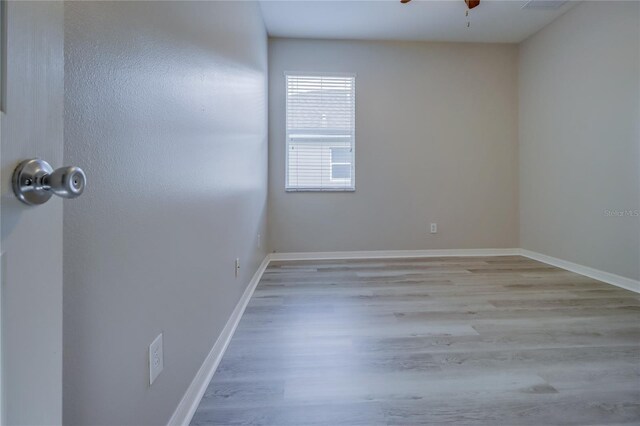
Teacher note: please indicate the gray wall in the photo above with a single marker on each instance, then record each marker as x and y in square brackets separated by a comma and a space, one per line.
[166, 112]
[579, 129]
[436, 141]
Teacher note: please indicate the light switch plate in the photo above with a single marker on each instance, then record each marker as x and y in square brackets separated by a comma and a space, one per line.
[156, 359]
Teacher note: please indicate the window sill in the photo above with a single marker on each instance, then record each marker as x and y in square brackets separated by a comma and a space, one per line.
[320, 190]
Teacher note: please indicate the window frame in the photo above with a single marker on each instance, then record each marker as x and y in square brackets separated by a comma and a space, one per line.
[292, 189]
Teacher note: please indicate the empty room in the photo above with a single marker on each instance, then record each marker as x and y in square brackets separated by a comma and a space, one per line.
[416, 212]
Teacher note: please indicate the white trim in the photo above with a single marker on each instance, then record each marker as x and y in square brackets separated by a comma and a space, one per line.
[596, 274]
[388, 254]
[309, 189]
[189, 403]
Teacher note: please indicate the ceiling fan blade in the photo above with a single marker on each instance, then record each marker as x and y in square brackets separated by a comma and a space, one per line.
[472, 3]
[404, 1]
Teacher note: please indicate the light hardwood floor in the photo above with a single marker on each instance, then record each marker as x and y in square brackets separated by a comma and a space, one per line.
[461, 341]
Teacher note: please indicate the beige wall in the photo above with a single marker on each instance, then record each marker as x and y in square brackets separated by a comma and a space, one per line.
[579, 94]
[436, 141]
[165, 110]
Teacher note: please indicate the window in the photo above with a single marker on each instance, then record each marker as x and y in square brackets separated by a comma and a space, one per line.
[320, 132]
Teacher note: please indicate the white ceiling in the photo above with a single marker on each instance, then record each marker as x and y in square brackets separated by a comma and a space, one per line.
[499, 21]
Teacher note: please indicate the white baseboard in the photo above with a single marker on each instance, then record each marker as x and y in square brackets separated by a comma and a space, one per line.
[187, 407]
[609, 278]
[389, 254]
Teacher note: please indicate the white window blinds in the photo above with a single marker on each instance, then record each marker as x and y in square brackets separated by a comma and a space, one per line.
[320, 132]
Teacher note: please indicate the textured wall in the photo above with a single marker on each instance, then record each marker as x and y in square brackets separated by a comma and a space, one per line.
[436, 141]
[580, 137]
[165, 109]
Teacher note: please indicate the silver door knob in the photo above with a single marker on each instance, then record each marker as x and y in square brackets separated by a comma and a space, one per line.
[35, 181]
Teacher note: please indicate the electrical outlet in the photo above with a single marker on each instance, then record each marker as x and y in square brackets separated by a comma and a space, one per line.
[434, 228]
[237, 267]
[156, 359]
[259, 241]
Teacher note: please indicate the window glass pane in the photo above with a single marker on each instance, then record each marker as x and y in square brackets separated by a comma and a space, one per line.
[341, 171]
[341, 155]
